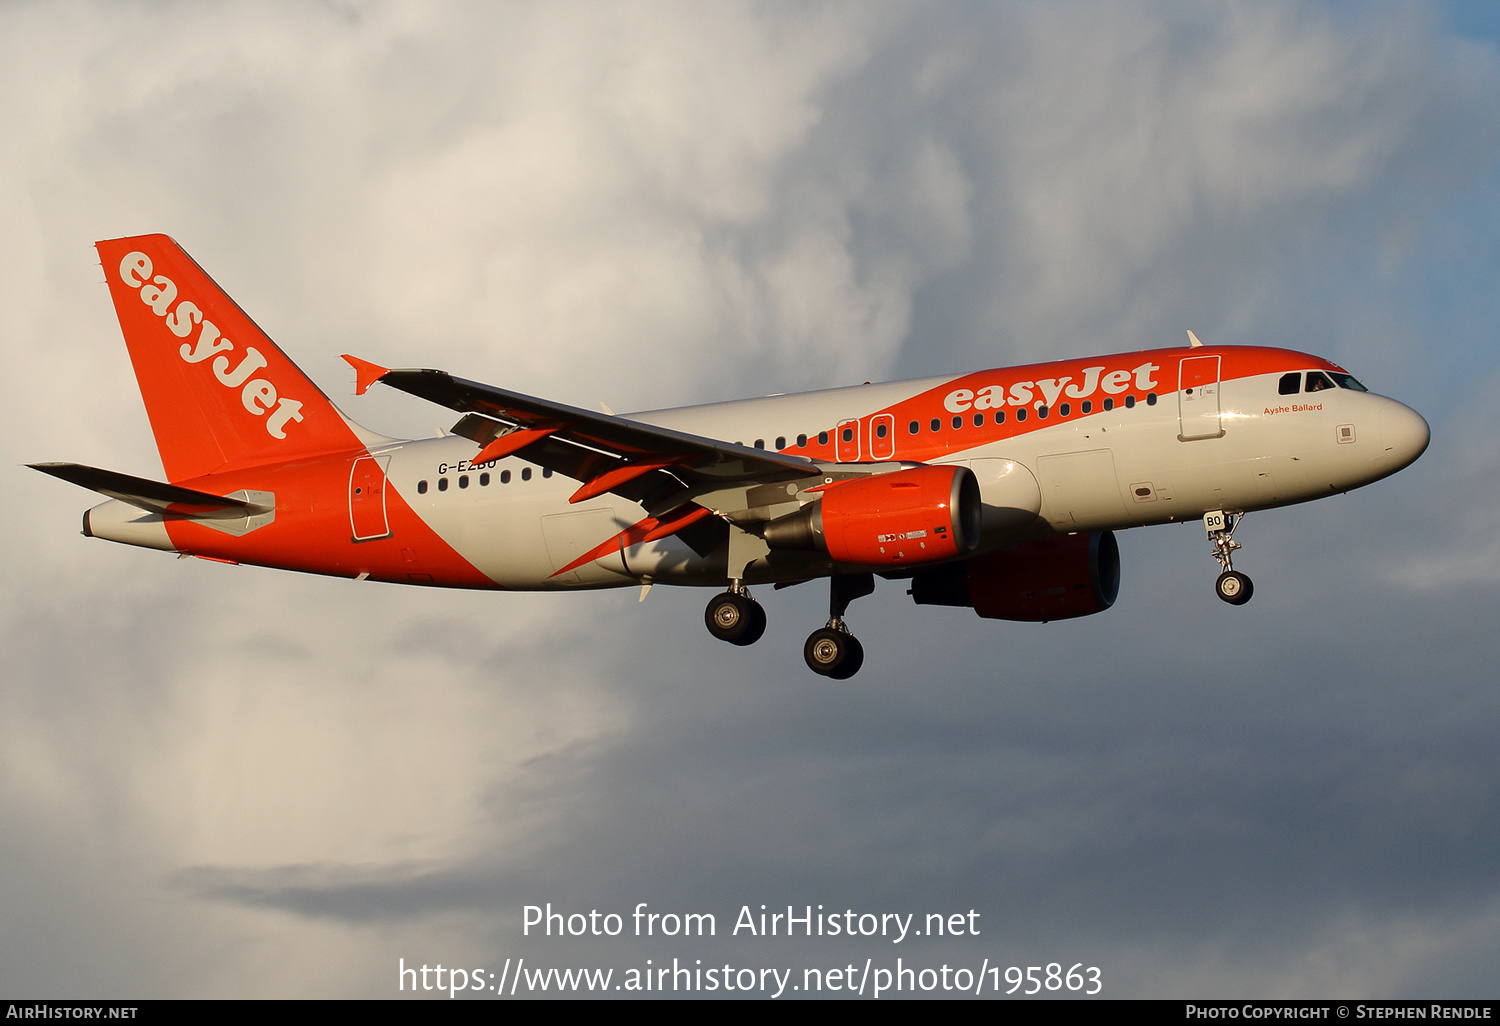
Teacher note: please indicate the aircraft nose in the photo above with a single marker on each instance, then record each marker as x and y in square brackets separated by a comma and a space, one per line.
[1406, 436]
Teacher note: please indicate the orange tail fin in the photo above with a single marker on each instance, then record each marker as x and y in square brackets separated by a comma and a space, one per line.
[219, 392]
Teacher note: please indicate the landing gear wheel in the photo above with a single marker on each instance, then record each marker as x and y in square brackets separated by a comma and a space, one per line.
[737, 619]
[757, 625]
[852, 662]
[1234, 587]
[833, 653]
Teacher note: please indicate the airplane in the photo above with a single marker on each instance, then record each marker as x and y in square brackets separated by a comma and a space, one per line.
[998, 490]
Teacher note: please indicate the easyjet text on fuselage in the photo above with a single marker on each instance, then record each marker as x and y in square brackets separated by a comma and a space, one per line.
[1023, 393]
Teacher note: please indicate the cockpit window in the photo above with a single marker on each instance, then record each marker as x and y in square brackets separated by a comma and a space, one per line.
[1317, 381]
[1290, 384]
[1347, 381]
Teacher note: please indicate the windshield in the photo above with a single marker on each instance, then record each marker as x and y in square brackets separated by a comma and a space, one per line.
[1347, 381]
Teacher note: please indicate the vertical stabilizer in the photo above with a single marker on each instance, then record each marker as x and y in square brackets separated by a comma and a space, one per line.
[219, 392]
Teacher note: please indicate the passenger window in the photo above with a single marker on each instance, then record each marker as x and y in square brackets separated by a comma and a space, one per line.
[463, 481]
[880, 431]
[484, 480]
[1317, 381]
[802, 441]
[442, 484]
[1109, 404]
[999, 416]
[421, 487]
[505, 477]
[1150, 398]
[760, 443]
[847, 434]
[1020, 415]
[1041, 412]
[1290, 384]
[822, 437]
[1064, 409]
[1087, 406]
[979, 420]
[780, 442]
[913, 427]
[546, 471]
[1130, 402]
[937, 425]
[525, 473]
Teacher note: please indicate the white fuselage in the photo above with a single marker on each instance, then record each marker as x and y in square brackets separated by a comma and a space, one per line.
[1111, 469]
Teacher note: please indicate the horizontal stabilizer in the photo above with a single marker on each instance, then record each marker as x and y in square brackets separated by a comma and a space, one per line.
[151, 496]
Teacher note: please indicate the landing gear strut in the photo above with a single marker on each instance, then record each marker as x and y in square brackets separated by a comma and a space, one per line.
[831, 650]
[735, 617]
[1232, 586]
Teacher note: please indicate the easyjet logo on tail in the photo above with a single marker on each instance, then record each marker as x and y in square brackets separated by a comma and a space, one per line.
[257, 395]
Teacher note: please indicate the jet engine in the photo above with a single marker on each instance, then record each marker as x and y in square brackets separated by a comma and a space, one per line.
[920, 515]
[1049, 579]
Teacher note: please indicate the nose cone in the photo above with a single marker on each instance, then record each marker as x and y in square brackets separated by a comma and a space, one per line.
[1406, 436]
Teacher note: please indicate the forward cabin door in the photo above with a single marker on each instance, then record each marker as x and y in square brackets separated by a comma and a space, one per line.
[1198, 399]
[367, 519]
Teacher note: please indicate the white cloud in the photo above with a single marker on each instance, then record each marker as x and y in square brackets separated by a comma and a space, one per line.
[652, 204]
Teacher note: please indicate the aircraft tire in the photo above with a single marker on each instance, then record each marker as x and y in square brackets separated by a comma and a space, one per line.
[827, 651]
[1234, 587]
[737, 619]
[755, 627]
[852, 662]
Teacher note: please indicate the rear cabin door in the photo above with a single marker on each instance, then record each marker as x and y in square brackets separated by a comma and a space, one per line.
[1198, 399]
[367, 519]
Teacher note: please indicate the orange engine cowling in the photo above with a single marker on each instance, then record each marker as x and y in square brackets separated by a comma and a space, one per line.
[1049, 579]
[921, 515]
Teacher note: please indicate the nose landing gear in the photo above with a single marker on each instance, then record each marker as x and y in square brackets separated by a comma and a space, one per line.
[735, 617]
[831, 650]
[1232, 586]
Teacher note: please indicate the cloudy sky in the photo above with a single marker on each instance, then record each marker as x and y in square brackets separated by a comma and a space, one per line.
[228, 781]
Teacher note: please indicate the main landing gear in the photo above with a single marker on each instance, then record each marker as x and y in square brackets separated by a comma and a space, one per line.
[830, 651]
[1232, 586]
[735, 617]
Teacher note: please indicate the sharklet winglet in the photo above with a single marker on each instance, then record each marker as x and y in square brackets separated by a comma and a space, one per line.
[365, 373]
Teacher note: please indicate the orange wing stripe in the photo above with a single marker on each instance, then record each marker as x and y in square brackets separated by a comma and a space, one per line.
[646, 530]
[513, 442]
[618, 476]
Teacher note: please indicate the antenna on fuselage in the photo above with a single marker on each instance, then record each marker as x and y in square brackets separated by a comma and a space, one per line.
[1193, 340]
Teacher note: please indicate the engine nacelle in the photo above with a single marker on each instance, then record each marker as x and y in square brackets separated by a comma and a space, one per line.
[1048, 579]
[921, 515]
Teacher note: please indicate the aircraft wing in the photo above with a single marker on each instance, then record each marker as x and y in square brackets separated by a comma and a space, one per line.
[606, 453]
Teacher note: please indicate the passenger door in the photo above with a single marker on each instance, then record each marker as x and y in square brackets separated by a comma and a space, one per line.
[1198, 399]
